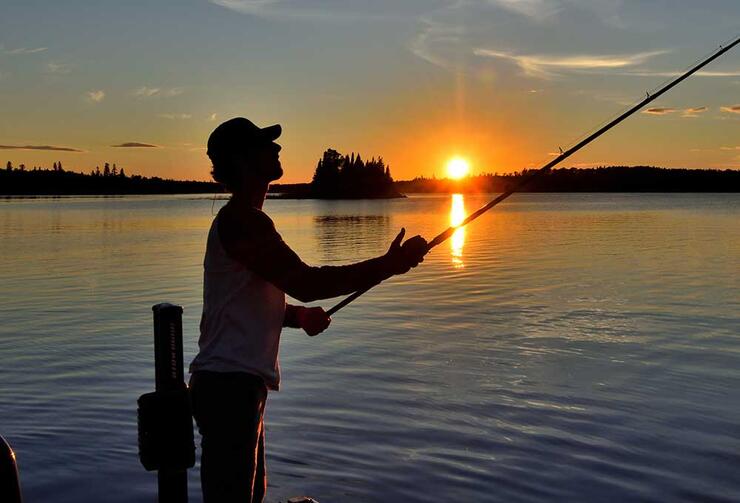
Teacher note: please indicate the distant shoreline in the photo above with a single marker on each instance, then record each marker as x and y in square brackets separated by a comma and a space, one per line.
[613, 179]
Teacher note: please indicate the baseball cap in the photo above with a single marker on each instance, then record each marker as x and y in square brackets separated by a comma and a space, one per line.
[240, 135]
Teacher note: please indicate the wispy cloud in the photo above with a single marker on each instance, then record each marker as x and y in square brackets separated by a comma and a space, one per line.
[96, 96]
[212, 117]
[58, 68]
[39, 147]
[685, 112]
[659, 111]
[148, 92]
[175, 116]
[538, 10]
[732, 109]
[22, 50]
[693, 111]
[431, 34]
[547, 66]
[135, 144]
[329, 10]
[730, 149]
[246, 6]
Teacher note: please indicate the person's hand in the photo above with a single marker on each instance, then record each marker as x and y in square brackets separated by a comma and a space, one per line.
[403, 257]
[313, 320]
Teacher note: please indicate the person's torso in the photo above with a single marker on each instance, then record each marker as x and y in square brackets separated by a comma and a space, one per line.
[242, 317]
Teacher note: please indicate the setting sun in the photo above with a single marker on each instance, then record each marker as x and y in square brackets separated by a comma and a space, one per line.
[457, 168]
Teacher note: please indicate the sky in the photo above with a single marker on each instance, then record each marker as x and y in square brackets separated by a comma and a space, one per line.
[501, 83]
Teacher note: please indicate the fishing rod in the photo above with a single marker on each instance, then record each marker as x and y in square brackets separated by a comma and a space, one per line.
[444, 235]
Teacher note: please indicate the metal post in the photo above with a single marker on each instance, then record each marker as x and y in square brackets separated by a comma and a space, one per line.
[166, 441]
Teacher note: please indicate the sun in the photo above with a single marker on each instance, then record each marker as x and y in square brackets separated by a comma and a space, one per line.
[457, 168]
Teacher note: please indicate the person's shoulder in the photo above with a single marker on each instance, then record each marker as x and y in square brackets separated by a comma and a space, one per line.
[238, 223]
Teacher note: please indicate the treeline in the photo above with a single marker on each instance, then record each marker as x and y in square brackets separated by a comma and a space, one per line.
[340, 176]
[599, 179]
[109, 180]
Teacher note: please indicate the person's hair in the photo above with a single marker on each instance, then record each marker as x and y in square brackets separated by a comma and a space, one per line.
[224, 171]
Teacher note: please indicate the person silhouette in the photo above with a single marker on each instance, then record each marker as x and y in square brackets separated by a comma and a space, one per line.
[248, 269]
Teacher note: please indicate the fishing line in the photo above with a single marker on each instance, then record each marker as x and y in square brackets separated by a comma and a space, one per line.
[650, 97]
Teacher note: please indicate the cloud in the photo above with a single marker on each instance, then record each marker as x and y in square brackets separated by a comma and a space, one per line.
[732, 109]
[135, 144]
[212, 117]
[685, 112]
[96, 96]
[246, 6]
[730, 148]
[659, 111]
[431, 35]
[145, 92]
[39, 147]
[22, 50]
[148, 92]
[538, 10]
[693, 111]
[58, 68]
[546, 66]
[329, 10]
[175, 116]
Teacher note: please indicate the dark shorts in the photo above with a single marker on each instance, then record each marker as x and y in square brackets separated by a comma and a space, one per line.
[229, 408]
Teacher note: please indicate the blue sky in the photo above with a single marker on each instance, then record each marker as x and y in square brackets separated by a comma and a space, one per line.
[500, 82]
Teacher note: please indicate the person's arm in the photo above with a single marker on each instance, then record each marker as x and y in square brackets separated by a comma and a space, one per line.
[313, 320]
[291, 316]
[251, 239]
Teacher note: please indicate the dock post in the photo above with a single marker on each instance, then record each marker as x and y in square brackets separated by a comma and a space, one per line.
[10, 487]
[166, 442]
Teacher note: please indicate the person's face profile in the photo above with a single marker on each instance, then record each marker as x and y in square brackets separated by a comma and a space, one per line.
[267, 161]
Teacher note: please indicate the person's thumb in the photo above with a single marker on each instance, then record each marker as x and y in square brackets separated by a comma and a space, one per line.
[397, 242]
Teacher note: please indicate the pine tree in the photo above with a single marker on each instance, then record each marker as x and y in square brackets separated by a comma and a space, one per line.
[106, 169]
[9, 166]
[59, 166]
[115, 170]
[122, 174]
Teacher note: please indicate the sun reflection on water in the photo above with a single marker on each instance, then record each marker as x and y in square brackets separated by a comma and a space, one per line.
[457, 241]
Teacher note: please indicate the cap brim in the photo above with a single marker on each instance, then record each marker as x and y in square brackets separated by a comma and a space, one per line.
[271, 132]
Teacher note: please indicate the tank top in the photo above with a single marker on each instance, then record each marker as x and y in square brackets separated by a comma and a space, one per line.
[242, 317]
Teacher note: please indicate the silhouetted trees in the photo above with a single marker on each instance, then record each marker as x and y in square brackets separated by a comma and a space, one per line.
[57, 181]
[340, 176]
[600, 179]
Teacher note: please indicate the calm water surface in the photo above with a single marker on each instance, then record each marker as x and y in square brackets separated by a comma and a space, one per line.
[561, 348]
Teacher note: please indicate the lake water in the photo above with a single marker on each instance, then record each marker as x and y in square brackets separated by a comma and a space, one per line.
[563, 347]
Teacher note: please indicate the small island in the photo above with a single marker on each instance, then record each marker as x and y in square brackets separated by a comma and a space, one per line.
[340, 176]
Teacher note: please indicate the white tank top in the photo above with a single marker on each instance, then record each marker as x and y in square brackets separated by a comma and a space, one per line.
[242, 318]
